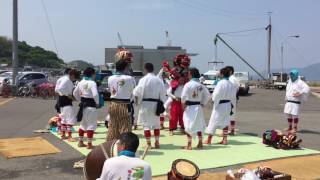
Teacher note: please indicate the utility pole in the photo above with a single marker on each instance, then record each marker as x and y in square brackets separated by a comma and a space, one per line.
[15, 42]
[269, 28]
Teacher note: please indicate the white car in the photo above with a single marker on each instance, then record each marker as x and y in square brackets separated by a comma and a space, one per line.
[210, 78]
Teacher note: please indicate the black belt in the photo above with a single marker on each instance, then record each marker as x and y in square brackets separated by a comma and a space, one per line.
[190, 103]
[150, 99]
[85, 102]
[62, 101]
[120, 100]
[223, 101]
[295, 102]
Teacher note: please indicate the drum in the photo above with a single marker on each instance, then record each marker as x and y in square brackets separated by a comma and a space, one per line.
[183, 169]
[95, 159]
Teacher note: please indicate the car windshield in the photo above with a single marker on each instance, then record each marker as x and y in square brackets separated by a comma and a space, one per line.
[210, 77]
[6, 74]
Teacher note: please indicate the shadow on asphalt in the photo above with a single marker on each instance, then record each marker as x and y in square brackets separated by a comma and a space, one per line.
[304, 131]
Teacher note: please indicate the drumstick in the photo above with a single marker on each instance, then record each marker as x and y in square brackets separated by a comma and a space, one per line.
[146, 149]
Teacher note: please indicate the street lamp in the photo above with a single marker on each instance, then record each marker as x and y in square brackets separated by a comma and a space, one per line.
[282, 59]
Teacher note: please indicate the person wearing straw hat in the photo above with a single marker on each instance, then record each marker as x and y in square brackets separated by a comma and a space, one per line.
[297, 92]
[121, 87]
[126, 165]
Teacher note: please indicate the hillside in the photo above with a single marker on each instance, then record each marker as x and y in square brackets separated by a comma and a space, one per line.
[29, 55]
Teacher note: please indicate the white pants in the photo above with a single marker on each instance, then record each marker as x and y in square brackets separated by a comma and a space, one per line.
[89, 119]
[68, 115]
[292, 108]
[220, 118]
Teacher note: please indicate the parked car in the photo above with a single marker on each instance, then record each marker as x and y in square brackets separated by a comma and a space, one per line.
[243, 78]
[36, 77]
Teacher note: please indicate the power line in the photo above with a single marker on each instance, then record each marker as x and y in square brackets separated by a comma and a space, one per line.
[50, 27]
[242, 31]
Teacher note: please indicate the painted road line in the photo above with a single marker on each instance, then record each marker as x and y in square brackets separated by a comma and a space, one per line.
[6, 101]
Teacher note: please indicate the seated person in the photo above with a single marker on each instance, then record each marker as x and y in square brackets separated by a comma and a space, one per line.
[126, 165]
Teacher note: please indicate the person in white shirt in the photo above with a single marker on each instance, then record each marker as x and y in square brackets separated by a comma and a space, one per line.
[176, 109]
[222, 96]
[148, 93]
[234, 101]
[57, 105]
[194, 96]
[121, 87]
[126, 166]
[87, 93]
[67, 112]
[297, 92]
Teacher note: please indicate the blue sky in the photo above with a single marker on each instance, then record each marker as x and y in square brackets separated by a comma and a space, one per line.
[83, 28]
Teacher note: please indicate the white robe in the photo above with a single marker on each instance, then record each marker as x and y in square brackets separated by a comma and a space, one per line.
[193, 116]
[125, 168]
[150, 86]
[234, 102]
[87, 89]
[220, 116]
[64, 87]
[293, 87]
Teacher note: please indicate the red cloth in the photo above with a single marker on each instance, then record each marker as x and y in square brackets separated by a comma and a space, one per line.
[157, 132]
[147, 133]
[176, 115]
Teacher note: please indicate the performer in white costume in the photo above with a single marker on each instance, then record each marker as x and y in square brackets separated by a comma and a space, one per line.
[121, 87]
[87, 93]
[222, 96]
[234, 102]
[67, 112]
[148, 92]
[194, 96]
[297, 92]
[126, 166]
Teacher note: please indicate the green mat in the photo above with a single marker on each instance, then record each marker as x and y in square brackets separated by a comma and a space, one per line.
[241, 149]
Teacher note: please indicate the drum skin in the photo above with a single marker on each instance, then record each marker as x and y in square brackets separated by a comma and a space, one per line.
[174, 174]
[95, 159]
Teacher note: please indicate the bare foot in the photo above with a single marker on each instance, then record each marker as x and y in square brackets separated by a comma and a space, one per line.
[70, 139]
[223, 142]
[200, 145]
[187, 148]
[81, 144]
[171, 133]
[90, 146]
[157, 145]
[207, 142]
[64, 137]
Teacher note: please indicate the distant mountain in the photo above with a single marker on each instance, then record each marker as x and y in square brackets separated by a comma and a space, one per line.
[311, 72]
[79, 64]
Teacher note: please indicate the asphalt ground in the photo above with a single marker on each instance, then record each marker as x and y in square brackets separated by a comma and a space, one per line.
[260, 110]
